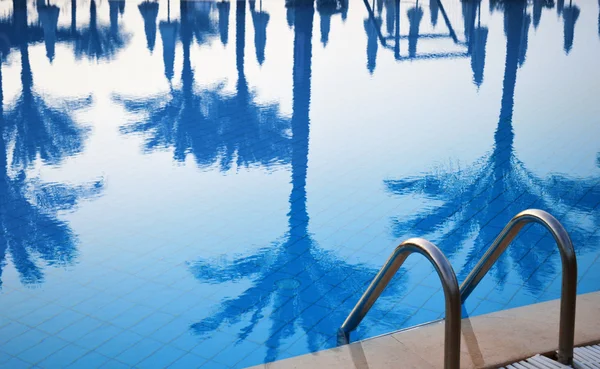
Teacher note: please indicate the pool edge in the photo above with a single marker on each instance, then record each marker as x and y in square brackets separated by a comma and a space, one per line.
[488, 341]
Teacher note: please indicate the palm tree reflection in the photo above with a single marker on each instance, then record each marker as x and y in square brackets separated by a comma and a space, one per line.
[560, 5]
[224, 8]
[260, 20]
[149, 11]
[476, 36]
[48, 15]
[434, 10]
[30, 233]
[213, 127]
[287, 275]
[570, 15]
[198, 17]
[102, 42]
[327, 9]
[40, 129]
[479, 200]
[538, 5]
[415, 14]
[372, 31]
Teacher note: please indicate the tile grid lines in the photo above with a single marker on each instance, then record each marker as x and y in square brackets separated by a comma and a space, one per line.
[559, 276]
[540, 239]
[492, 218]
[481, 192]
[515, 200]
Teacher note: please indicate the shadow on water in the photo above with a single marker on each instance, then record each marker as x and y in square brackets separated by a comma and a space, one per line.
[481, 199]
[31, 129]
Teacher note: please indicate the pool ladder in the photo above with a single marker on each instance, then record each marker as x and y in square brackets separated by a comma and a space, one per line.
[454, 295]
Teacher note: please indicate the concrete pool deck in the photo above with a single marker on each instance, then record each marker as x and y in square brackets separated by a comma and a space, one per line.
[488, 341]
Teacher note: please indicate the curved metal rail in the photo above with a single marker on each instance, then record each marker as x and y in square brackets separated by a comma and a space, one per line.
[449, 283]
[569, 272]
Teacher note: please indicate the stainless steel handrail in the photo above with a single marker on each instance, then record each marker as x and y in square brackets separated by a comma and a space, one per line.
[569, 272]
[449, 284]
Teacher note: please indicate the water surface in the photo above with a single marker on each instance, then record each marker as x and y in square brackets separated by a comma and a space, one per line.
[213, 184]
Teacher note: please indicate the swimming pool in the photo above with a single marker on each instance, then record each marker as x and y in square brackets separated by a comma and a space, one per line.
[213, 184]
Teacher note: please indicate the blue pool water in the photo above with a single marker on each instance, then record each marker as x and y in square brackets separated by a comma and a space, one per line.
[213, 184]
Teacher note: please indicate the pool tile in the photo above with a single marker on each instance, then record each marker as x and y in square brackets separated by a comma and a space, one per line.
[314, 314]
[235, 352]
[16, 363]
[118, 343]
[257, 357]
[114, 364]
[214, 365]
[139, 351]
[12, 330]
[42, 314]
[126, 257]
[91, 360]
[98, 336]
[112, 309]
[42, 350]
[188, 361]
[419, 296]
[436, 302]
[503, 293]
[486, 307]
[152, 323]
[214, 343]
[75, 331]
[63, 357]
[60, 321]
[162, 358]
[23, 342]
[21, 309]
[183, 303]
[76, 297]
[170, 331]
[262, 330]
[94, 303]
[186, 341]
[522, 299]
[307, 343]
[4, 357]
[423, 316]
[131, 316]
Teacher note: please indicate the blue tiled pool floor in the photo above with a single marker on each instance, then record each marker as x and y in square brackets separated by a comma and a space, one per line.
[214, 184]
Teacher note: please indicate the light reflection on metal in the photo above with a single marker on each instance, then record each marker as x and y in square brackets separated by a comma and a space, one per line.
[387, 272]
[569, 271]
